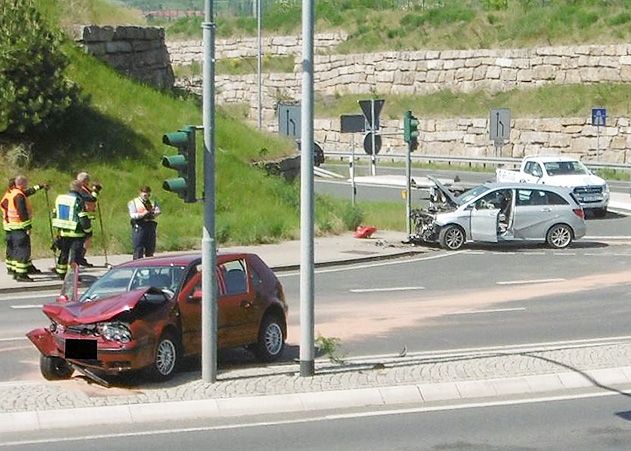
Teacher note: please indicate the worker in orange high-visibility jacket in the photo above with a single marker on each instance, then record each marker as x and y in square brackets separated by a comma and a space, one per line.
[17, 222]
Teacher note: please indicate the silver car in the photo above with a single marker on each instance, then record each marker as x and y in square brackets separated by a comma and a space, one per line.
[498, 212]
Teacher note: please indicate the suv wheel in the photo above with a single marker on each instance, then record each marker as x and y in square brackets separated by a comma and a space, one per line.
[166, 358]
[54, 368]
[451, 237]
[271, 341]
[559, 236]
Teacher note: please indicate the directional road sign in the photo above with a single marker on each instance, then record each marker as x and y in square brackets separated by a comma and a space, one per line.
[289, 120]
[367, 107]
[599, 117]
[499, 124]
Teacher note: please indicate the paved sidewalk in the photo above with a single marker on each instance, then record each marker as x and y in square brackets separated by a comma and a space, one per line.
[412, 380]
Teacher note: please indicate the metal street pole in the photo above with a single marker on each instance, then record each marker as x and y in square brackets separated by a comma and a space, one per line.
[209, 246]
[408, 197]
[259, 60]
[373, 158]
[307, 366]
[352, 170]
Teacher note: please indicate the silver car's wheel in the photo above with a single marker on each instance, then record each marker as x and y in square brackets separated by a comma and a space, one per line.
[271, 339]
[451, 237]
[559, 236]
[166, 358]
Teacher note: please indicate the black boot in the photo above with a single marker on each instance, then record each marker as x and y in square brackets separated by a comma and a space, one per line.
[22, 278]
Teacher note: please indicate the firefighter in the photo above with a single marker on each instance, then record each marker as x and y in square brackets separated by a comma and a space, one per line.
[17, 222]
[73, 224]
[8, 261]
[143, 221]
[89, 193]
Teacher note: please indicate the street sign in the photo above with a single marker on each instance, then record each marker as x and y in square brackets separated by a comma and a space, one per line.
[499, 125]
[367, 107]
[368, 143]
[289, 120]
[599, 117]
[352, 123]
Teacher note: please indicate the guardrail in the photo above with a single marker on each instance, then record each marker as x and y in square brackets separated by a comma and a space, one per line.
[492, 161]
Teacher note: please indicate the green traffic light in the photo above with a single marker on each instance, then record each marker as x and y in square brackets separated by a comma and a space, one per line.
[175, 185]
[177, 162]
[176, 139]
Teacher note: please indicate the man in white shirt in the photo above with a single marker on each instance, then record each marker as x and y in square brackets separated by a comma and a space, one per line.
[143, 215]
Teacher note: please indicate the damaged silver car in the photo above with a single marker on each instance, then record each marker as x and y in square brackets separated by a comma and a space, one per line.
[500, 212]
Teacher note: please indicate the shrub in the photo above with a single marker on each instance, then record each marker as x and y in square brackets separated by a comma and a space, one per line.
[34, 92]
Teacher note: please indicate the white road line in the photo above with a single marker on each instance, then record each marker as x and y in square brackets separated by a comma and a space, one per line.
[316, 419]
[525, 347]
[497, 310]
[51, 295]
[606, 238]
[377, 290]
[28, 306]
[352, 267]
[524, 282]
[13, 339]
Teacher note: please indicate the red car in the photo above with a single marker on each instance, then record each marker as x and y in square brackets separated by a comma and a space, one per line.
[146, 314]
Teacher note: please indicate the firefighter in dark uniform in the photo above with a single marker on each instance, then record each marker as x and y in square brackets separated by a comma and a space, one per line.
[89, 193]
[73, 225]
[143, 221]
[17, 221]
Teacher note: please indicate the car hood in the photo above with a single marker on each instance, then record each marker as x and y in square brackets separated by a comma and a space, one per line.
[96, 311]
[451, 199]
[572, 181]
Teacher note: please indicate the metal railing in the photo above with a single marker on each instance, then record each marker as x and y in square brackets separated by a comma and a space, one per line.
[465, 160]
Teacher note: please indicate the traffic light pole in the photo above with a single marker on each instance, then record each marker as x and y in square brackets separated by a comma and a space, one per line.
[209, 246]
[307, 344]
[408, 197]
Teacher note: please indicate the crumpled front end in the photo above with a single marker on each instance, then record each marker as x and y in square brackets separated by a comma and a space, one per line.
[424, 226]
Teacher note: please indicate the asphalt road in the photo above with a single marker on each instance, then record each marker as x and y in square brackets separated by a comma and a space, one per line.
[592, 423]
[481, 297]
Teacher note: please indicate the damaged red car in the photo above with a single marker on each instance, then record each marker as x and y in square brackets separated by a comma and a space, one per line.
[146, 315]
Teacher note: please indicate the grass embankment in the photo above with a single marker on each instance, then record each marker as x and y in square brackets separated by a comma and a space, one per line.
[375, 25]
[117, 136]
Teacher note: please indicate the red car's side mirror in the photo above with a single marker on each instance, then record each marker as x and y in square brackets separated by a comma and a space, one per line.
[62, 299]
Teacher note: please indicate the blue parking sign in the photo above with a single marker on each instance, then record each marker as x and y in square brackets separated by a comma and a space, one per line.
[599, 117]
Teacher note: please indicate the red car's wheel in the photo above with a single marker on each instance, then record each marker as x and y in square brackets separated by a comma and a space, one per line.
[55, 368]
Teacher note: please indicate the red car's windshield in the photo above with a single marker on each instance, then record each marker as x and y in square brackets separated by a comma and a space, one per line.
[120, 280]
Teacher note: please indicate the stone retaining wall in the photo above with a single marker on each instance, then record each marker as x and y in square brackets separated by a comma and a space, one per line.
[139, 52]
[187, 52]
[574, 137]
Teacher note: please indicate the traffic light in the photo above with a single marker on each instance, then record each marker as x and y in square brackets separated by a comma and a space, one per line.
[410, 130]
[183, 163]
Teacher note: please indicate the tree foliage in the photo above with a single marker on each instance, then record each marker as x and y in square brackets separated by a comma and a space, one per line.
[34, 92]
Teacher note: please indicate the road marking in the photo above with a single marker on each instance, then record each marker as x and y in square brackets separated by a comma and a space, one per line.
[317, 419]
[526, 347]
[13, 339]
[27, 306]
[51, 295]
[377, 290]
[524, 282]
[498, 310]
[352, 267]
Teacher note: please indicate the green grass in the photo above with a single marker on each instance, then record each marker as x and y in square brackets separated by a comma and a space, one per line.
[545, 101]
[448, 24]
[240, 66]
[116, 136]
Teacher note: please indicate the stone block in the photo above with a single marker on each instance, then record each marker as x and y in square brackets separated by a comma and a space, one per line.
[95, 33]
[118, 47]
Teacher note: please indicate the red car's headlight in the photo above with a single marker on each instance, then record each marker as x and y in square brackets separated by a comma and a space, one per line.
[114, 332]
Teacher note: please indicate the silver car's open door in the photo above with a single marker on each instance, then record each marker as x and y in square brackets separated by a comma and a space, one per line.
[484, 224]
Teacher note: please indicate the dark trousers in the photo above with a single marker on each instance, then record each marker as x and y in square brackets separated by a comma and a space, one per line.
[69, 252]
[8, 260]
[143, 237]
[19, 243]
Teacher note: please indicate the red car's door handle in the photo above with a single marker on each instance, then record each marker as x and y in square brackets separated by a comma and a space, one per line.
[246, 304]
